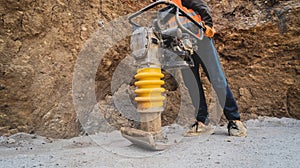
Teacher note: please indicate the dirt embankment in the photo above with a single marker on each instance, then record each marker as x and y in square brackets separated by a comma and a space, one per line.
[258, 42]
[40, 42]
[259, 47]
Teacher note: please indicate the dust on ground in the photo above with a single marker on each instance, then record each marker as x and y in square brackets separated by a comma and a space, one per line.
[271, 142]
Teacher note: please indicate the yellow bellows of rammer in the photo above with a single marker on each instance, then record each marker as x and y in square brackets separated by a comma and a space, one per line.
[149, 90]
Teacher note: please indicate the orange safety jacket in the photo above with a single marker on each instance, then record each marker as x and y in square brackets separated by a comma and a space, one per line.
[184, 20]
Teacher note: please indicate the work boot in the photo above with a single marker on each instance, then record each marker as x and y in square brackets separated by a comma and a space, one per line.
[236, 128]
[198, 128]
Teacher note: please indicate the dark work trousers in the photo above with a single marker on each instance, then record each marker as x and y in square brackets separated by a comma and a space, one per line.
[207, 56]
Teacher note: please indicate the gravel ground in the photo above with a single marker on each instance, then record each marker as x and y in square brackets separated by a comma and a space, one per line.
[271, 142]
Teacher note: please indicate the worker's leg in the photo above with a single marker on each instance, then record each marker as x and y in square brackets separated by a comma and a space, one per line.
[211, 65]
[192, 81]
[231, 108]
